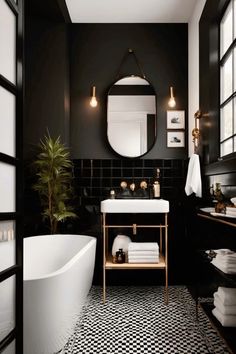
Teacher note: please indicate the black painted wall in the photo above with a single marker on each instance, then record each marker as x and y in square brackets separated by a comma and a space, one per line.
[96, 52]
[46, 74]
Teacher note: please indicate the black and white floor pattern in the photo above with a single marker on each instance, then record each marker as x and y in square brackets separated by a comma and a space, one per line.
[135, 320]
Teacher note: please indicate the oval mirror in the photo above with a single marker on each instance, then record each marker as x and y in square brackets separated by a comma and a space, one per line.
[131, 116]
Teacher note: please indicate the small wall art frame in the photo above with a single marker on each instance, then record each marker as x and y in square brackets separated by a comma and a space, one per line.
[175, 120]
[175, 139]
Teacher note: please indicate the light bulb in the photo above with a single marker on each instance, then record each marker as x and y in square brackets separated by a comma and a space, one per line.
[171, 102]
[93, 102]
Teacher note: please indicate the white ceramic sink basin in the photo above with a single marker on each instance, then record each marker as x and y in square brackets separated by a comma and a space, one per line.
[135, 206]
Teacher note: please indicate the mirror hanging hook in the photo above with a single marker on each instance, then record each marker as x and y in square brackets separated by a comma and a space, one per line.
[130, 51]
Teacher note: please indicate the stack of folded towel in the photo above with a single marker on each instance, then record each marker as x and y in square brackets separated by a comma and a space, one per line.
[143, 252]
[225, 306]
[225, 260]
[231, 211]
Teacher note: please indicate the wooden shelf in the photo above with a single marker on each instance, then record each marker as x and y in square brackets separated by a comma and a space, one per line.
[160, 265]
[217, 219]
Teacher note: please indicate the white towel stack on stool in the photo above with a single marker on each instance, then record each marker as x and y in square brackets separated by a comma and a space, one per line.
[225, 260]
[143, 252]
[225, 306]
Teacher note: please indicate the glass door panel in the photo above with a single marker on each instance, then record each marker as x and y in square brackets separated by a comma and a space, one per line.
[7, 188]
[7, 122]
[7, 42]
[10, 349]
[7, 244]
[7, 306]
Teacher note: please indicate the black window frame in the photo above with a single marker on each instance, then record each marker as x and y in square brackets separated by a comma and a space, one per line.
[230, 98]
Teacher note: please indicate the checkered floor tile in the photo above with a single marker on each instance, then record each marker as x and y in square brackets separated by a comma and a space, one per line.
[135, 320]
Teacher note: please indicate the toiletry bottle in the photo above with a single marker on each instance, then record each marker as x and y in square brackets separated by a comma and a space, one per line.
[112, 194]
[156, 185]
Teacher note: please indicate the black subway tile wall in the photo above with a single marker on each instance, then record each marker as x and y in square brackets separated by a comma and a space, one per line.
[95, 178]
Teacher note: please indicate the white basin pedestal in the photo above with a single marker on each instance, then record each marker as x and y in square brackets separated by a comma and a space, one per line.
[135, 206]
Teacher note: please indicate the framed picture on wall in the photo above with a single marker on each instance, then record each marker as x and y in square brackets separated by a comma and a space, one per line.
[175, 139]
[175, 119]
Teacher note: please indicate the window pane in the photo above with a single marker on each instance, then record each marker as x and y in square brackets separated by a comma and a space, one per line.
[7, 42]
[7, 188]
[226, 30]
[7, 244]
[226, 79]
[234, 3]
[7, 306]
[227, 147]
[234, 116]
[10, 349]
[234, 73]
[226, 121]
[7, 122]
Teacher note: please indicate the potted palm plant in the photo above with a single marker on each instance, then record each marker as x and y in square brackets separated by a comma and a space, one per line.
[54, 181]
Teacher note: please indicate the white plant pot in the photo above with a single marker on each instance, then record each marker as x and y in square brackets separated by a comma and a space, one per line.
[120, 241]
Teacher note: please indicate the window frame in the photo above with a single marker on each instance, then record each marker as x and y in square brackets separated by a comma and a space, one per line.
[232, 97]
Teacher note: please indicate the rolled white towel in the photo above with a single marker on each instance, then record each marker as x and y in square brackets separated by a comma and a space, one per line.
[225, 320]
[227, 295]
[224, 309]
[143, 253]
[143, 246]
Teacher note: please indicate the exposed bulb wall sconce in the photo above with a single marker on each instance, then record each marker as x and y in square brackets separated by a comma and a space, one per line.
[93, 101]
[171, 102]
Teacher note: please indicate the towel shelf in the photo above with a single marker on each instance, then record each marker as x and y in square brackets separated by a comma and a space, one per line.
[163, 248]
[207, 277]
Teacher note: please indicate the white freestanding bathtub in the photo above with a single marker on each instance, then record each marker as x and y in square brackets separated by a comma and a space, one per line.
[58, 273]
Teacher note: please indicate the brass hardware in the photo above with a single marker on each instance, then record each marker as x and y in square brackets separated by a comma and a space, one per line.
[143, 185]
[134, 229]
[132, 187]
[123, 184]
[196, 131]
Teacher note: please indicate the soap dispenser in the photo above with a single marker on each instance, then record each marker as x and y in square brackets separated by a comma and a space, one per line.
[156, 185]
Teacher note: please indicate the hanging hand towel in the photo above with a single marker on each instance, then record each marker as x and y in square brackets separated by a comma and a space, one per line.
[193, 181]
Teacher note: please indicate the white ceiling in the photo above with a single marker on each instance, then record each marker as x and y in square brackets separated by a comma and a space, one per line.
[130, 11]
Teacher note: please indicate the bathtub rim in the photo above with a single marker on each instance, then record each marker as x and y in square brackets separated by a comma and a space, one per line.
[68, 265]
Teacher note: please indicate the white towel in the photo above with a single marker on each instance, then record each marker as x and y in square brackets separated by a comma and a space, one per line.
[226, 268]
[227, 295]
[142, 257]
[193, 181]
[144, 260]
[143, 253]
[225, 320]
[227, 258]
[143, 246]
[224, 309]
